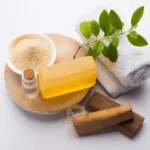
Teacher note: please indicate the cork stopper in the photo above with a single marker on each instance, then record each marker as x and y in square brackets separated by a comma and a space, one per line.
[29, 74]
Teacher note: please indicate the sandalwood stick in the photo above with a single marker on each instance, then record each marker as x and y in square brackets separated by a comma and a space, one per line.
[99, 120]
[100, 102]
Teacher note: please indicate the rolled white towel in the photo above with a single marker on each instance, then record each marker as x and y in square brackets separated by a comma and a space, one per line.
[131, 70]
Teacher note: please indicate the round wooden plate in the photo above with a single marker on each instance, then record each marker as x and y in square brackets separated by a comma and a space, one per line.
[66, 48]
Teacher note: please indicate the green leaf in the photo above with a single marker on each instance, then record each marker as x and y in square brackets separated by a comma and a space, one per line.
[97, 48]
[137, 15]
[85, 29]
[112, 53]
[117, 31]
[139, 41]
[100, 48]
[95, 45]
[105, 24]
[133, 34]
[95, 27]
[105, 51]
[115, 41]
[115, 19]
[89, 53]
[104, 21]
[110, 31]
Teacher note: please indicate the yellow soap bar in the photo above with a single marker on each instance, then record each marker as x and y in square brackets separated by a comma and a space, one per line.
[67, 76]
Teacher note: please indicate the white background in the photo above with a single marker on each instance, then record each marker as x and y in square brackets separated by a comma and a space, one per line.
[20, 130]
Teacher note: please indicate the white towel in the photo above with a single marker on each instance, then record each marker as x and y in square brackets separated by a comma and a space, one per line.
[132, 67]
[131, 70]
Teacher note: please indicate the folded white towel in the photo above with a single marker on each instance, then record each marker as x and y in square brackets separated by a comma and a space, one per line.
[131, 69]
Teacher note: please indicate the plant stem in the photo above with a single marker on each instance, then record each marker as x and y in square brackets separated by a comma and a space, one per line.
[104, 38]
[77, 52]
[81, 47]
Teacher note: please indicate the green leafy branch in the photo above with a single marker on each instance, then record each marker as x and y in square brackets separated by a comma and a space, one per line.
[112, 26]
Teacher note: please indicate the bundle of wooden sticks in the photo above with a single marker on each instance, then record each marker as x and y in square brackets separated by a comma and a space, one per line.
[107, 113]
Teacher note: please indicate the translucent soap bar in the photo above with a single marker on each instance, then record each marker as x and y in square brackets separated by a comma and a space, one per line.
[67, 76]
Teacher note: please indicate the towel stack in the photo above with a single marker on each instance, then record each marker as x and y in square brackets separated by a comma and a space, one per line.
[131, 70]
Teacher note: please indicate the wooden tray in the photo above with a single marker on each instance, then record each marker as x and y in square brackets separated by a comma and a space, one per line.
[66, 48]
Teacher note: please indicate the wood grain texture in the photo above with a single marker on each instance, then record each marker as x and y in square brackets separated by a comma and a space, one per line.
[101, 102]
[102, 119]
[66, 48]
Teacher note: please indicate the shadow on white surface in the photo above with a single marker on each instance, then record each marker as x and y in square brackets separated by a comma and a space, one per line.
[135, 92]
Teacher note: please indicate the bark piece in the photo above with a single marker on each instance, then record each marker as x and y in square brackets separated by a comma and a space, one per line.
[101, 102]
[103, 119]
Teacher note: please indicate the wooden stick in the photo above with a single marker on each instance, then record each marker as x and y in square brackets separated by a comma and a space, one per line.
[100, 102]
[99, 120]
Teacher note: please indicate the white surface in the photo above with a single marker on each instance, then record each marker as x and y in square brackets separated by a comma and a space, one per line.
[20, 130]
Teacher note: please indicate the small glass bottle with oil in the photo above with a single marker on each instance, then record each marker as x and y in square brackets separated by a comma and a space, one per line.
[30, 83]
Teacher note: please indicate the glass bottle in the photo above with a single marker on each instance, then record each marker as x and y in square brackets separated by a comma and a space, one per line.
[29, 81]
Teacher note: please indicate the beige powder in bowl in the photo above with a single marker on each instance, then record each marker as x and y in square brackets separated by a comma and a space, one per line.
[30, 53]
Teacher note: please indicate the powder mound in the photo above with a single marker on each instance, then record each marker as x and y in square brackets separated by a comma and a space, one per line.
[30, 53]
